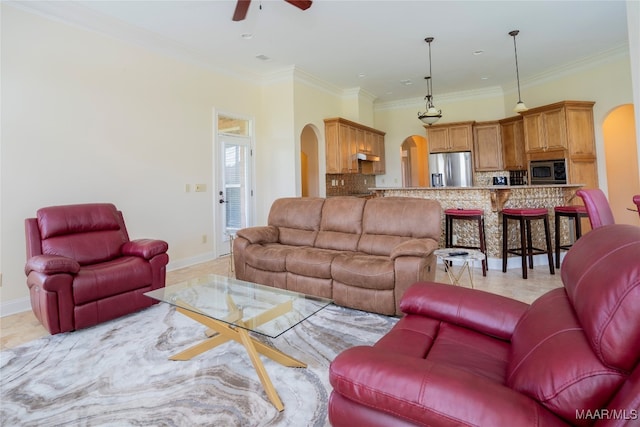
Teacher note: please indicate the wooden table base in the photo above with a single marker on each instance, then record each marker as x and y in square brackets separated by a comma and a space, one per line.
[220, 332]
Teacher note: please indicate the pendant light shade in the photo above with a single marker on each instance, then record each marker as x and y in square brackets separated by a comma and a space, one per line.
[520, 107]
[432, 114]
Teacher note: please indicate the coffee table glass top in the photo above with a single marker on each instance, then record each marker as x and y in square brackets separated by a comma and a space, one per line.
[263, 309]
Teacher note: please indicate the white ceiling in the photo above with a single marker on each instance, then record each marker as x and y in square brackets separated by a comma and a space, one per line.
[373, 45]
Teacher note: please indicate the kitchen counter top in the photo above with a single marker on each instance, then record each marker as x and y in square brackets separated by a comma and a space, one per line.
[482, 187]
[492, 199]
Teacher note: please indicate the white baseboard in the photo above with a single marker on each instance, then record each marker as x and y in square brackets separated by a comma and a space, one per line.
[19, 305]
[512, 261]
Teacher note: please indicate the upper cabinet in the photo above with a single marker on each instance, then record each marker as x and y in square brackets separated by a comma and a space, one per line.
[450, 137]
[487, 146]
[545, 129]
[345, 139]
[564, 130]
[512, 132]
[566, 125]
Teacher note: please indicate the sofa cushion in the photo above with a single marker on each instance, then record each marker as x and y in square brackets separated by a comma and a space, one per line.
[389, 221]
[341, 223]
[552, 360]
[605, 298]
[99, 281]
[311, 262]
[364, 271]
[298, 219]
[269, 257]
[88, 233]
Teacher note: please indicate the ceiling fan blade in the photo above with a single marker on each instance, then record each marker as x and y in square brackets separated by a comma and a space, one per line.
[301, 4]
[241, 10]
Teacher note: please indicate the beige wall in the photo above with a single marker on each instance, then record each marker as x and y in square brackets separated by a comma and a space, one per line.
[620, 148]
[86, 118]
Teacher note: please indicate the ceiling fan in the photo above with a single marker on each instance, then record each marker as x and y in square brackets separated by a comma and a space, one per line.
[243, 6]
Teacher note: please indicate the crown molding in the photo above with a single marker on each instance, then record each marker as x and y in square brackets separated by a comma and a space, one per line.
[490, 92]
[358, 92]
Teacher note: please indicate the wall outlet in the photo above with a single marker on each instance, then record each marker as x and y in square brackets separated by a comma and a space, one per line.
[200, 188]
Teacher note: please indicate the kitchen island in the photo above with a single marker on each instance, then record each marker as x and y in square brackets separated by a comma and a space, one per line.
[492, 199]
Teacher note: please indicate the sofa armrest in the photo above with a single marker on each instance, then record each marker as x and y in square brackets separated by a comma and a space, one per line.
[145, 248]
[428, 393]
[51, 264]
[481, 311]
[261, 234]
[414, 247]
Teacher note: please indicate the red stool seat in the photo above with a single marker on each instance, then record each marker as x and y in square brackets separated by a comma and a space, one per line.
[571, 209]
[525, 211]
[466, 215]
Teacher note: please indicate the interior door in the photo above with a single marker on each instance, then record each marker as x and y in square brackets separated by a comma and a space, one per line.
[234, 196]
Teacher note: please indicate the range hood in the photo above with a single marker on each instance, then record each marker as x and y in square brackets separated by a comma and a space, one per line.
[367, 157]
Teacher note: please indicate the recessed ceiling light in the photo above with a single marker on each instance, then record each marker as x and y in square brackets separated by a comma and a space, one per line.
[406, 82]
[478, 52]
[361, 75]
[246, 36]
[484, 78]
[263, 57]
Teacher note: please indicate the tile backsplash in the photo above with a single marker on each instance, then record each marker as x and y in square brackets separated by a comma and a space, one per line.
[348, 184]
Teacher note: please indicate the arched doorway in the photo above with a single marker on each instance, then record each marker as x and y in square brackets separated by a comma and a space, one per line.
[415, 162]
[621, 157]
[309, 169]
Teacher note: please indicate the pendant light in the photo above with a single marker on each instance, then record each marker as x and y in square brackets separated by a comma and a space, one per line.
[520, 107]
[432, 114]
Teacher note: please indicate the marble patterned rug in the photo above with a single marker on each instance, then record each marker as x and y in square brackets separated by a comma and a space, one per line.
[118, 374]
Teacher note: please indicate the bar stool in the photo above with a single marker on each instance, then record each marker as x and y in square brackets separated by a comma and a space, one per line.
[573, 213]
[526, 250]
[466, 215]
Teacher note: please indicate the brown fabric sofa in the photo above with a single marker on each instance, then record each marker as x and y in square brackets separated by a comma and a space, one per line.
[362, 253]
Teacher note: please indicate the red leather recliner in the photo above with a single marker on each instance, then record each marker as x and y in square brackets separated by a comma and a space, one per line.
[598, 207]
[463, 357]
[82, 269]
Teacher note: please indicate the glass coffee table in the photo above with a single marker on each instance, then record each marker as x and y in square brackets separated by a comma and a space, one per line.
[232, 308]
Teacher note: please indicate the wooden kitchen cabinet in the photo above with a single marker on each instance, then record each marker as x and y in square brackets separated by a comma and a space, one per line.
[487, 146]
[344, 139]
[379, 168]
[450, 137]
[512, 133]
[340, 148]
[564, 130]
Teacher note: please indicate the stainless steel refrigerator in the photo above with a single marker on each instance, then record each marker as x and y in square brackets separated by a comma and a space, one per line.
[451, 169]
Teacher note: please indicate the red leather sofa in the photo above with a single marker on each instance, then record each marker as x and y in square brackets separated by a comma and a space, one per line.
[463, 357]
[82, 269]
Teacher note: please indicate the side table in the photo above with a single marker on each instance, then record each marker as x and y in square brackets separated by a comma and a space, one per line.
[467, 256]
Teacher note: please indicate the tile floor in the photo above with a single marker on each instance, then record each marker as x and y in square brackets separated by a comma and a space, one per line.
[23, 327]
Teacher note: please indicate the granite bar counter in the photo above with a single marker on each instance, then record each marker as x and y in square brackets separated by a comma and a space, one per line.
[492, 199]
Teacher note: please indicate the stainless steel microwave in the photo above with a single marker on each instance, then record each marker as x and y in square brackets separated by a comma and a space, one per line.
[548, 172]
